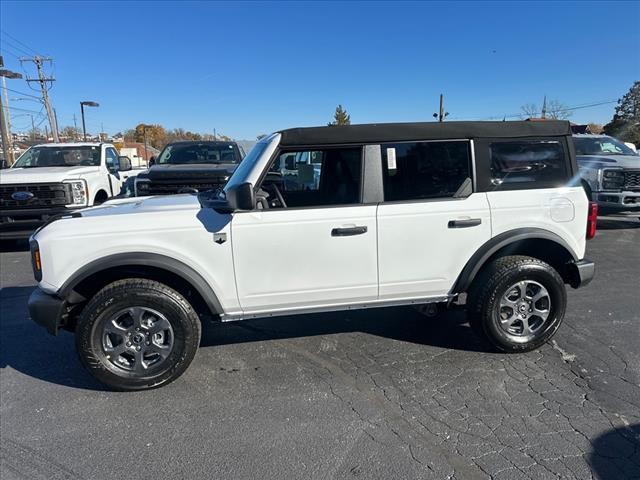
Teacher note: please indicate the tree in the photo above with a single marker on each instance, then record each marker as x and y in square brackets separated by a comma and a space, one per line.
[595, 128]
[70, 132]
[557, 110]
[156, 135]
[554, 109]
[530, 110]
[341, 117]
[625, 123]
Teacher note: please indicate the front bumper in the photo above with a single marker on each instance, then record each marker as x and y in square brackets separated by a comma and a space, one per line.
[618, 202]
[46, 310]
[581, 272]
[21, 223]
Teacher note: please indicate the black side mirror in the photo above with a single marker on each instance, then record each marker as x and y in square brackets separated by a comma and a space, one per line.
[152, 160]
[124, 164]
[241, 197]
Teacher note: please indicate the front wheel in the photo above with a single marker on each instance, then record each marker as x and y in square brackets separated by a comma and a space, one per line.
[137, 334]
[518, 303]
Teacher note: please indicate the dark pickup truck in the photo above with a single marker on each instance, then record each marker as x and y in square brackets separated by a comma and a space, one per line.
[189, 167]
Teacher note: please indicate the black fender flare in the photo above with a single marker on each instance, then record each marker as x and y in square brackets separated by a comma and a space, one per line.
[147, 259]
[486, 251]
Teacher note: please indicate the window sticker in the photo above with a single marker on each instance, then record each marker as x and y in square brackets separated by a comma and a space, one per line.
[391, 159]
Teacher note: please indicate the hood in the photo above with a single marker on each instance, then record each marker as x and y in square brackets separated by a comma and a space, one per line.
[144, 205]
[603, 161]
[43, 174]
[191, 172]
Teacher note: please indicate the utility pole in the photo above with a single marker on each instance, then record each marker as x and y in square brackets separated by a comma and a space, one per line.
[33, 129]
[214, 134]
[42, 80]
[543, 114]
[75, 128]
[5, 129]
[441, 115]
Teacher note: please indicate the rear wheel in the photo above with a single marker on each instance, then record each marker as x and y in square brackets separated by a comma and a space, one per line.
[136, 334]
[517, 303]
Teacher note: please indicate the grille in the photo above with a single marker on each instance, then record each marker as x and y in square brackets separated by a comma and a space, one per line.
[44, 195]
[173, 188]
[632, 180]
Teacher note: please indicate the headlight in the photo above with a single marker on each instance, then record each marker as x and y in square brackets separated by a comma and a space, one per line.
[79, 193]
[612, 179]
[142, 188]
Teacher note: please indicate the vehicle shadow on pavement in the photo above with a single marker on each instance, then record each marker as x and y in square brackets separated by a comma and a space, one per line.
[28, 349]
[616, 453]
[447, 330]
[14, 246]
[617, 223]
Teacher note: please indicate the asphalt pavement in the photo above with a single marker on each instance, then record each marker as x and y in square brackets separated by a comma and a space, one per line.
[375, 394]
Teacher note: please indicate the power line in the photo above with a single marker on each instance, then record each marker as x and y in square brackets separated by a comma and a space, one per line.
[5, 50]
[15, 47]
[19, 42]
[21, 109]
[23, 93]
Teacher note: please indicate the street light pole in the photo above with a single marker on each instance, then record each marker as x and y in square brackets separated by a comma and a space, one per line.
[82, 105]
[84, 128]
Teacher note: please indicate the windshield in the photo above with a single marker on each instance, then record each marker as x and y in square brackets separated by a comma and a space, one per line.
[600, 146]
[245, 167]
[88, 156]
[189, 153]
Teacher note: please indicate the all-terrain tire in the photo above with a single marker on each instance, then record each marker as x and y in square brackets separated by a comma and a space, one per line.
[494, 282]
[181, 330]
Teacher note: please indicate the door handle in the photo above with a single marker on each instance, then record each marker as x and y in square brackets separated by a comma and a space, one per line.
[466, 223]
[348, 231]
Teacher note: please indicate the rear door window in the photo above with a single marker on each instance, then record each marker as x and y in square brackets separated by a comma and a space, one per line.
[424, 170]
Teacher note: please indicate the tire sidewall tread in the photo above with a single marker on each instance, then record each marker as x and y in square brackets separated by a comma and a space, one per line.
[492, 283]
[185, 323]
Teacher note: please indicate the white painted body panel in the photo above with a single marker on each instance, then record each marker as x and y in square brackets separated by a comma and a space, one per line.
[562, 211]
[174, 226]
[420, 256]
[288, 258]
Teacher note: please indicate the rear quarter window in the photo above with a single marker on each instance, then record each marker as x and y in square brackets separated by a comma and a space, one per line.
[528, 164]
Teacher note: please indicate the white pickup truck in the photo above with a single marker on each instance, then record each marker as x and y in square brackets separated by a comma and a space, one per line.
[57, 178]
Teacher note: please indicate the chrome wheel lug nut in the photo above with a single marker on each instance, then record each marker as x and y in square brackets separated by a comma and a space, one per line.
[128, 344]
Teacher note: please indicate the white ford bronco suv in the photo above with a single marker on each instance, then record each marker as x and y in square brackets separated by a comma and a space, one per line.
[56, 178]
[370, 216]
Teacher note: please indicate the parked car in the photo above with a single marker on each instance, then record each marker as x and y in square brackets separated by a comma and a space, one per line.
[190, 167]
[610, 172]
[401, 214]
[58, 178]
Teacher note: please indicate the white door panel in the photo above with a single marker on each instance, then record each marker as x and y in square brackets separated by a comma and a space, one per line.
[420, 254]
[289, 258]
[560, 210]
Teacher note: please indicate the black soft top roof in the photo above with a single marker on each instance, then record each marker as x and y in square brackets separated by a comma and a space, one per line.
[398, 132]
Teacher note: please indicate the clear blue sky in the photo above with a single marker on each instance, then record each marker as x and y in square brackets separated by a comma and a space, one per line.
[250, 68]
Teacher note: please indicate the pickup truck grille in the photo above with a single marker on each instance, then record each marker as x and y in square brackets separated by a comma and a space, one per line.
[173, 188]
[44, 195]
[632, 180]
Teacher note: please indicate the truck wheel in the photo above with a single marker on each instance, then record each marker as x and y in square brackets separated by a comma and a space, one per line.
[517, 303]
[136, 334]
